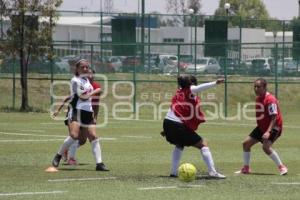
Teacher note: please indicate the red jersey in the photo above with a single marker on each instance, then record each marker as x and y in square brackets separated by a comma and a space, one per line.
[186, 107]
[266, 107]
[96, 98]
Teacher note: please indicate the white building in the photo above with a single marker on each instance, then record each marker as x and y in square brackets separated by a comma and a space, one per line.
[80, 30]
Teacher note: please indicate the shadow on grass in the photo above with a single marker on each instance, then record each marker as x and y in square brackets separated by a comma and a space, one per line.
[80, 164]
[198, 177]
[261, 174]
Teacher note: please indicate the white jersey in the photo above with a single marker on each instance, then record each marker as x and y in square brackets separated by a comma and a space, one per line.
[81, 85]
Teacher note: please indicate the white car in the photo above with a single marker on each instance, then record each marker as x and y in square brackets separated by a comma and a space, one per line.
[204, 65]
[291, 67]
[114, 64]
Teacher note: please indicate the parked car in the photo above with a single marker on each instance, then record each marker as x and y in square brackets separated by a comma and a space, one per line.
[113, 64]
[232, 65]
[204, 65]
[63, 63]
[291, 67]
[132, 62]
[262, 66]
[150, 65]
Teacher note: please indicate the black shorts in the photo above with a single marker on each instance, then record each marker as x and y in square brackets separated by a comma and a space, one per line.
[83, 117]
[179, 135]
[257, 134]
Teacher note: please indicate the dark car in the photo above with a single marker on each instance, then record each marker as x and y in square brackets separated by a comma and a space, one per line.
[132, 62]
[232, 65]
[262, 66]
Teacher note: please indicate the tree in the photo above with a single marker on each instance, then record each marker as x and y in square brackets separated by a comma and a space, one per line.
[2, 8]
[182, 6]
[253, 10]
[30, 34]
[195, 5]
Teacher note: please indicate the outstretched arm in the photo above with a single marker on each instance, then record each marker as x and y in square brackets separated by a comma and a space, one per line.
[199, 88]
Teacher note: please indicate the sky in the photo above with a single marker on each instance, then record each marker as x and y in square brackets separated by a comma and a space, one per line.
[280, 9]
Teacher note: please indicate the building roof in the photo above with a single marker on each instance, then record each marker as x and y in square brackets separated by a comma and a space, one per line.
[81, 20]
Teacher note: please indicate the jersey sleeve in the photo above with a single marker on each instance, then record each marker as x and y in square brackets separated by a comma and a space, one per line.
[199, 88]
[272, 106]
[77, 88]
[272, 109]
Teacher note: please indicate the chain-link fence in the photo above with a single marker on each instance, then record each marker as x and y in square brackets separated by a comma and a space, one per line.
[164, 46]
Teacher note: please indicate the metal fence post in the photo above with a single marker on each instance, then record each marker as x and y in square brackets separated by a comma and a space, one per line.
[225, 79]
[149, 41]
[276, 70]
[178, 63]
[92, 56]
[134, 87]
[101, 32]
[195, 22]
[14, 83]
[240, 45]
[52, 71]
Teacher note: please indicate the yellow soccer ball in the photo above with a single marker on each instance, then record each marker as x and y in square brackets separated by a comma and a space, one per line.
[187, 172]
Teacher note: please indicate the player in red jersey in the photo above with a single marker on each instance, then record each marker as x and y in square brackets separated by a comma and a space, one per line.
[183, 118]
[268, 130]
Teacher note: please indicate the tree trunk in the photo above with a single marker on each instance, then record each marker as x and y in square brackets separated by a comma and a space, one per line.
[24, 87]
[23, 65]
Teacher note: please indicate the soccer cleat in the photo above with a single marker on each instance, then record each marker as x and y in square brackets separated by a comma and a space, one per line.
[245, 170]
[56, 160]
[216, 175]
[173, 176]
[72, 161]
[101, 167]
[283, 170]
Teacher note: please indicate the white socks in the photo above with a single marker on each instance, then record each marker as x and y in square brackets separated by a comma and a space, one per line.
[207, 157]
[246, 156]
[177, 152]
[73, 149]
[274, 156]
[67, 143]
[96, 150]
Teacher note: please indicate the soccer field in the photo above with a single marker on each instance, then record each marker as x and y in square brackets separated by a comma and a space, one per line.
[139, 160]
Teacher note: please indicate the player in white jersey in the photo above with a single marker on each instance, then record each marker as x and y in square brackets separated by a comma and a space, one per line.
[81, 115]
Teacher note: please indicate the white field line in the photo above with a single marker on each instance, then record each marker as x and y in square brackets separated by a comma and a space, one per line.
[36, 131]
[243, 124]
[107, 138]
[34, 135]
[136, 136]
[47, 140]
[286, 183]
[170, 187]
[152, 120]
[31, 193]
[55, 136]
[80, 179]
[52, 123]
[208, 123]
